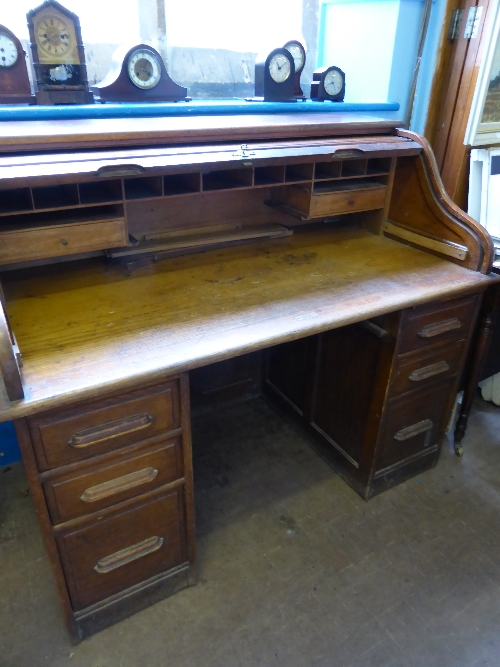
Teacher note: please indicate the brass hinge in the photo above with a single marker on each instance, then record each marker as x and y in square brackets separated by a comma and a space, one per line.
[472, 25]
[244, 152]
[455, 20]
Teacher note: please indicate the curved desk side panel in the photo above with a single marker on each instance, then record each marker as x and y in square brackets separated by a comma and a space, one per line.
[422, 214]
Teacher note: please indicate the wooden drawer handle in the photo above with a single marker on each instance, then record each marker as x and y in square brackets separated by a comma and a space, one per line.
[92, 436]
[429, 371]
[133, 479]
[415, 429]
[127, 555]
[432, 330]
[374, 329]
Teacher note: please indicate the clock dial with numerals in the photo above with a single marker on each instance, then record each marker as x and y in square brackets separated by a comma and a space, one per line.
[333, 82]
[55, 38]
[8, 51]
[298, 53]
[279, 68]
[144, 69]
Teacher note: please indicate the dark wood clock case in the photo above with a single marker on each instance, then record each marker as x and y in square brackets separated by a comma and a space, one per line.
[15, 85]
[265, 86]
[117, 86]
[298, 92]
[50, 92]
[318, 92]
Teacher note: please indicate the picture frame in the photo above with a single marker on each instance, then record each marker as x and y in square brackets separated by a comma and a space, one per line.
[483, 126]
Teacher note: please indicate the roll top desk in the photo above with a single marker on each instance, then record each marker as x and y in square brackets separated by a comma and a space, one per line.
[133, 252]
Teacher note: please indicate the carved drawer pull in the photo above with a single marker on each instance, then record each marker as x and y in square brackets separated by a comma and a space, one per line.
[432, 330]
[415, 429]
[346, 153]
[429, 371]
[127, 555]
[100, 491]
[92, 436]
[119, 170]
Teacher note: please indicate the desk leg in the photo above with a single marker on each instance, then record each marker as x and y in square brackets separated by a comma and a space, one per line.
[480, 349]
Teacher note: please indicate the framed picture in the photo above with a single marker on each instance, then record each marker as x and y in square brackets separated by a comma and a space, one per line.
[483, 127]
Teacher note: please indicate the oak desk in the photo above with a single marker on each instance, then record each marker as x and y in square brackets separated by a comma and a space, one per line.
[327, 241]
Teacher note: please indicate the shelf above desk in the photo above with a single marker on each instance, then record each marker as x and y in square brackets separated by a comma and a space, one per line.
[85, 328]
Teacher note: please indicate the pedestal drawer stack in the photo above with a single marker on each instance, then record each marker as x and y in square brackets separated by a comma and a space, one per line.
[432, 344]
[377, 394]
[116, 479]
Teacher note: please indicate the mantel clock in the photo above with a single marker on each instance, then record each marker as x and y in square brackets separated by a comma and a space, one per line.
[298, 52]
[275, 76]
[14, 81]
[58, 55]
[328, 84]
[137, 74]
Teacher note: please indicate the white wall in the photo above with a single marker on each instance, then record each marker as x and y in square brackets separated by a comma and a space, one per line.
[376, 43]
[102, 21]
[359, 38]
[236, 25]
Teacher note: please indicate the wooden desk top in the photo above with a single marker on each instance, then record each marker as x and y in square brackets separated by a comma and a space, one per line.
[86, 328]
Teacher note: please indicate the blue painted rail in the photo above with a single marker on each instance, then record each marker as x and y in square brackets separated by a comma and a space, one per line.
[13, 112]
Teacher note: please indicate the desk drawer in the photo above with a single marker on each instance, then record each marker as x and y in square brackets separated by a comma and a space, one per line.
[437, 322]
[414, 422]
[122, 549]
[422, 368]
[81, 433]
[92, 490]
[64, 239]
[345, 201]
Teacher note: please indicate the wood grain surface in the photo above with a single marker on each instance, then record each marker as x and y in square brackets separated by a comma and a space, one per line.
[95, 133]
[87, 328]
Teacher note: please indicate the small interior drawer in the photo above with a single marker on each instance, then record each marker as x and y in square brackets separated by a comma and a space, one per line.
[423, 367]
[124, 548]
[437, 322]
[80, 433]
[62, 239]
[89, 490]
[414, 422]
[346, 201]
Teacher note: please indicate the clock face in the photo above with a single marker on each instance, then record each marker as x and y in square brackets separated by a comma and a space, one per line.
[298, 54]
[8, 51]
[53, 37]
[279, 68]
[333, 82]
[144, 69]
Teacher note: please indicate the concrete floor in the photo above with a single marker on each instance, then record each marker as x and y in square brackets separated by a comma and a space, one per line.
[295, 569]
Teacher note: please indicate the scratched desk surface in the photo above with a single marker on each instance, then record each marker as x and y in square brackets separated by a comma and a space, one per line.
[86, 328]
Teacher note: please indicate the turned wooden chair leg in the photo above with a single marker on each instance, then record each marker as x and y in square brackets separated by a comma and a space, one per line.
[480, 348]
